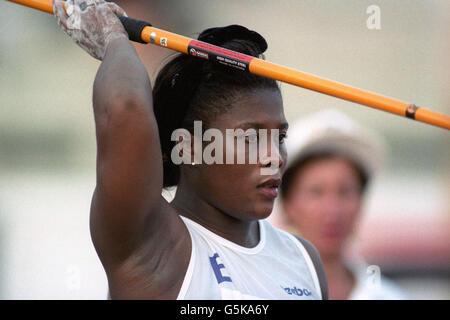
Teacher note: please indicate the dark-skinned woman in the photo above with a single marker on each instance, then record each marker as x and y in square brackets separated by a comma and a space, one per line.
[212, 241]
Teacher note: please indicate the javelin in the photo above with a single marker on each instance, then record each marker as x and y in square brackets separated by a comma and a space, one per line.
[144, 32]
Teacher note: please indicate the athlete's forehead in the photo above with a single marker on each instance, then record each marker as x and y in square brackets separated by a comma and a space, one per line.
[260, 125]
[258, 109]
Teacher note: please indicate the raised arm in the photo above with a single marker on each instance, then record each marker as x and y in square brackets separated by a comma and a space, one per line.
[129, 164]
[127, 207]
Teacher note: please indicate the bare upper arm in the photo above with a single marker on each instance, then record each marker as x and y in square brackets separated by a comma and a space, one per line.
[129, 181]
[130, 221]
[128, 212]
[318, 265]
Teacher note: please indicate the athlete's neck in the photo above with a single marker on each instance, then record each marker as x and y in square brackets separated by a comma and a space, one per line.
[242, 232]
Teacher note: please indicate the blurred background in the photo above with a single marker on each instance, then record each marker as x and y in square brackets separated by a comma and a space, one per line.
[48, 148]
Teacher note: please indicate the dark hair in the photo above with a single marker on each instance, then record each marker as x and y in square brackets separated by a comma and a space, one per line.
[290, 173]
[189, 88]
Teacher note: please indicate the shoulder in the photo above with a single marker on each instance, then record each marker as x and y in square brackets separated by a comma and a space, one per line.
[318, 265]
[313, 254]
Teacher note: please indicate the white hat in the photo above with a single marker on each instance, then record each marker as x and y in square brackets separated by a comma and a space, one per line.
[333, 131]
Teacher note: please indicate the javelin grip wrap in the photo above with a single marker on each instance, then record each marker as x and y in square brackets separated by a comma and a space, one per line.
[134, 28]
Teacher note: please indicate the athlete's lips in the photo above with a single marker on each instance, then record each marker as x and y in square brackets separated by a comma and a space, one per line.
[270, 183]
[269, 187]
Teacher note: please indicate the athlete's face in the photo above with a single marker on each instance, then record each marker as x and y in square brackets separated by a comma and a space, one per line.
[248, 191]
[323, 203]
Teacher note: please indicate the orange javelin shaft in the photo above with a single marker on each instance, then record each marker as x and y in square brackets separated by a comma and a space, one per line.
[43, 5]
[267, 69]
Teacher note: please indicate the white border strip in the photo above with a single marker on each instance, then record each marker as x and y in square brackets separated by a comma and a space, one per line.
[190, 270]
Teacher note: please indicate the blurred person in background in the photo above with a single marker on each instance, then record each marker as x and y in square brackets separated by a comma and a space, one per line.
[331, 160]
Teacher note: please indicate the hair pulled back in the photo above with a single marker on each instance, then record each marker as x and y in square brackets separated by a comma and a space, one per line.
[188, 88]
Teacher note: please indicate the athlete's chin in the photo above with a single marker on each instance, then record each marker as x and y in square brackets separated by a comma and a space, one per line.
[256, 208]
[263, 209]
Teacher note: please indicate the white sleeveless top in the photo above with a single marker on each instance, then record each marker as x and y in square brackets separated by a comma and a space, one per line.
[279, 267]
